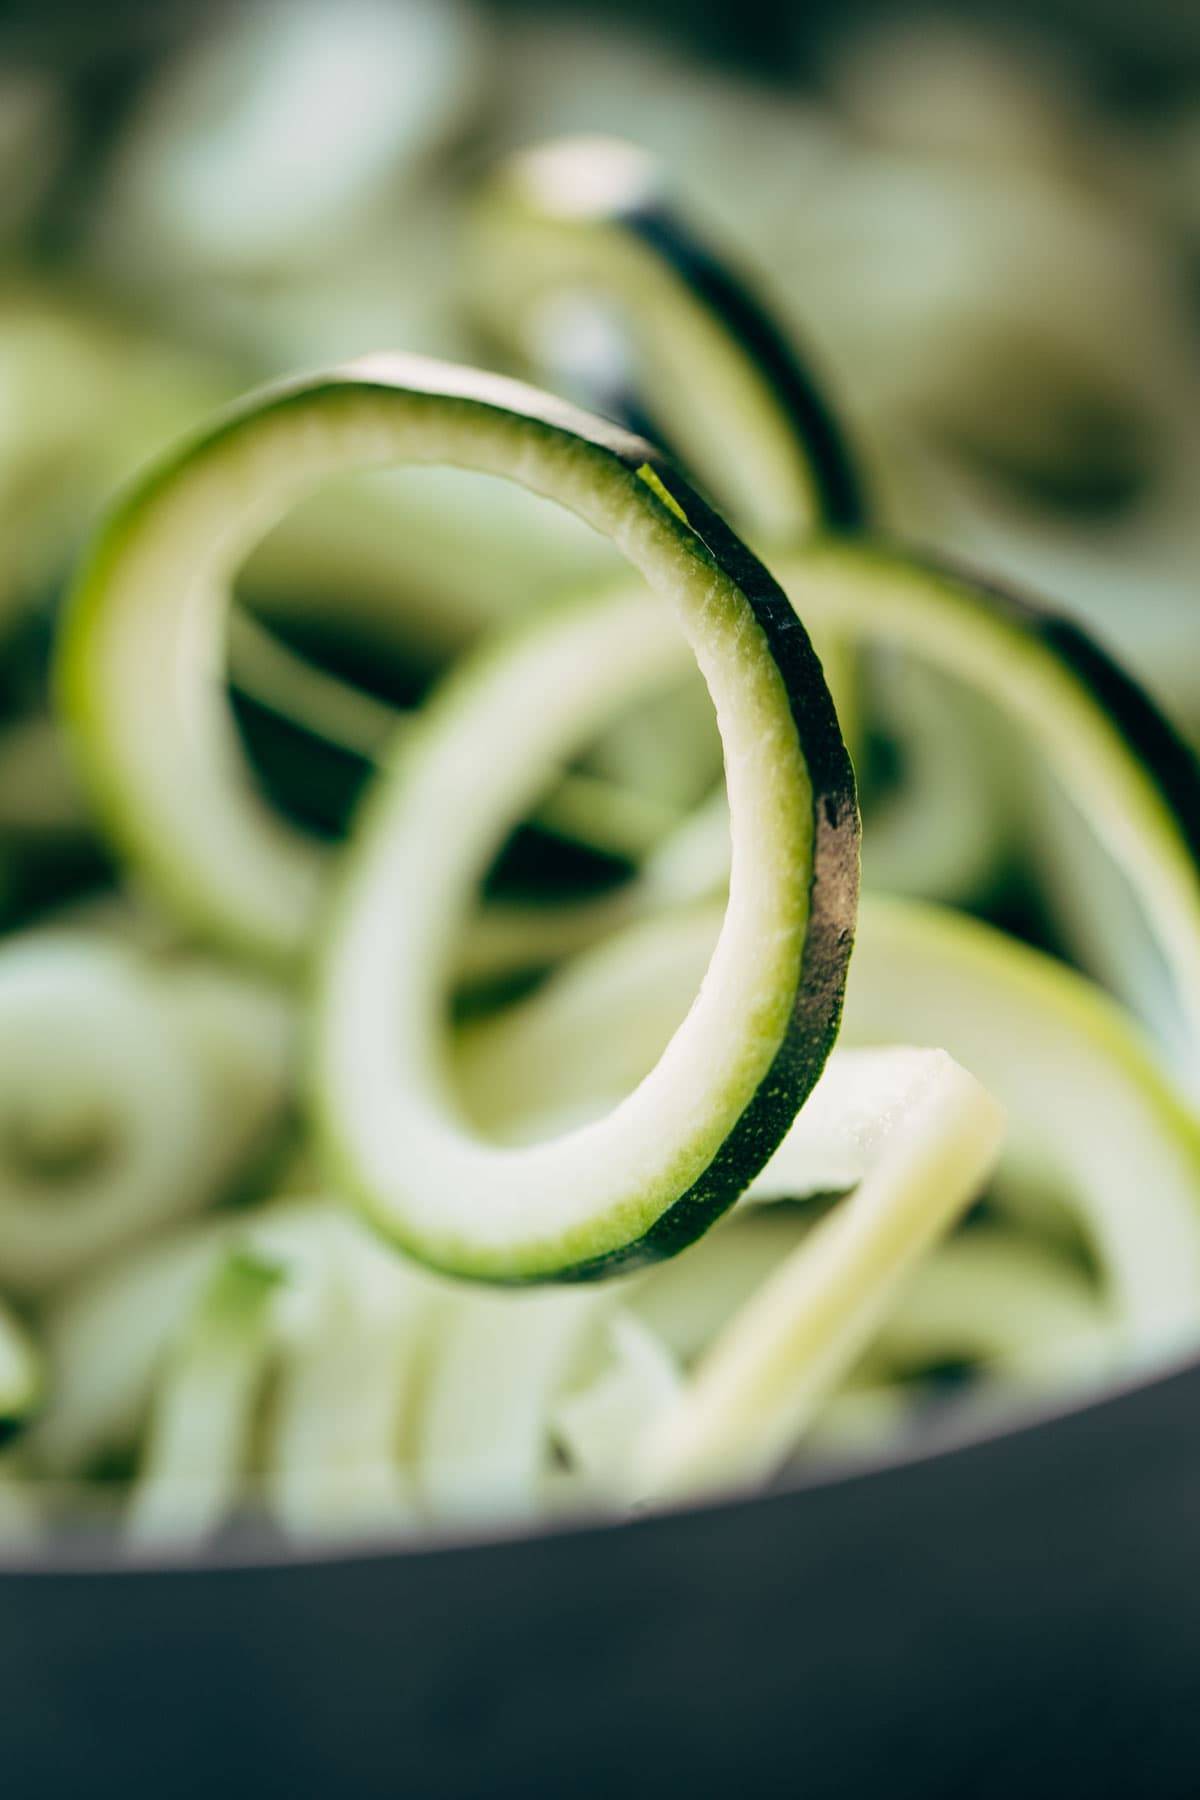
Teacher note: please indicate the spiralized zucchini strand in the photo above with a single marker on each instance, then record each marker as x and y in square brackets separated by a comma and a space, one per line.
[585, 1200]
[598, 1424]
[784, 1353]
[199, 1433]
[498, 1364]
[348, 1361]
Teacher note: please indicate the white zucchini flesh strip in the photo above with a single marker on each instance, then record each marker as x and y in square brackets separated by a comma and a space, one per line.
[199, 1433]
[105, 1338]
[847, 1123]
[497, 1366]
[21, 1371]
[261, 1291]
[598, 1424]
[345, 1391]
[105, 1129]
[760, 1384]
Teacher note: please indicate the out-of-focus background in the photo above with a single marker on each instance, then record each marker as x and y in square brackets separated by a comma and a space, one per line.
[982, 220]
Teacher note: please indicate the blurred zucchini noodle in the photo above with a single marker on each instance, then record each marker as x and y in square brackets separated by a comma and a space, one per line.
[280, 128]
[131, 1094]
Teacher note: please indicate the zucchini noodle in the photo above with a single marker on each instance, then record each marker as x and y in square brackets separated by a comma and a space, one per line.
[1013, 1308]
[200, 1424]
[757, 1387]
[351, 1344]
[104, 1126]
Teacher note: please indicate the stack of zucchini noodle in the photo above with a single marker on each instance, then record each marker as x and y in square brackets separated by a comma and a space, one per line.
[452, 1069]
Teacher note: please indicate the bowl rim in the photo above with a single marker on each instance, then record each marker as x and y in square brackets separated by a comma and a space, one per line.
[956, 1431]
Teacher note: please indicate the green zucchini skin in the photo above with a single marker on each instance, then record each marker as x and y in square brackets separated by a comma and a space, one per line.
[840, 486]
